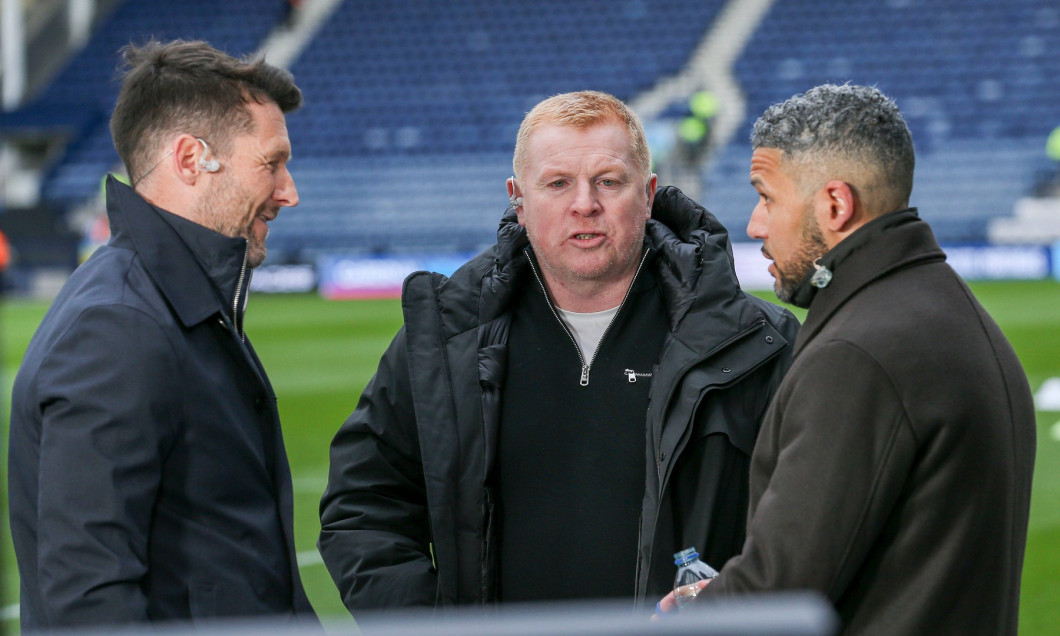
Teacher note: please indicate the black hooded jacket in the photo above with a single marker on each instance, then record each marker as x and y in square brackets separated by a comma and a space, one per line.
[407, 515]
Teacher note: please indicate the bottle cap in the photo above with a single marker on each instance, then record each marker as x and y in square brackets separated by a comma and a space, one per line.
[686, 555]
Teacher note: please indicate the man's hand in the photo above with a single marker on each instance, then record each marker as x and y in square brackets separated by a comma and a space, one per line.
[669, 602]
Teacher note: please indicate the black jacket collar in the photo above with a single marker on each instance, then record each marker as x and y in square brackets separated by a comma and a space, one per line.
[196, 268]
[693, 267]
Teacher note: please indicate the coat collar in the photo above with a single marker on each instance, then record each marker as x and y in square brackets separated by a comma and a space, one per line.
[195, 268]
[892, 242]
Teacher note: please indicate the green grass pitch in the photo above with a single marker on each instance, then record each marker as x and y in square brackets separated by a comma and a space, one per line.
[320, 354]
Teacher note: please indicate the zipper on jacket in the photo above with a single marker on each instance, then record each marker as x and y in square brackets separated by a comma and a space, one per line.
[236, 316]
[584, 381]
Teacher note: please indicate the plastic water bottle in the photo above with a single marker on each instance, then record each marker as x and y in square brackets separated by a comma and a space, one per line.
[689, 570]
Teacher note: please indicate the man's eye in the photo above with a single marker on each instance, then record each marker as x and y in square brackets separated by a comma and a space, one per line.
[558, 183]
[608, 183]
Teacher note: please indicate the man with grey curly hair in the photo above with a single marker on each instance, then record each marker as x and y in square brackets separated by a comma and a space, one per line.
[893, 470]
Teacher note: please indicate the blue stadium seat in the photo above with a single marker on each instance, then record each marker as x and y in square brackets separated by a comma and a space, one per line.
[411, 108]
[82, 96]
[976, 79]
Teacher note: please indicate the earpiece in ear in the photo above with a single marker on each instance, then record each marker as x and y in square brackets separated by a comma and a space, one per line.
[514, 200]
[208, 165]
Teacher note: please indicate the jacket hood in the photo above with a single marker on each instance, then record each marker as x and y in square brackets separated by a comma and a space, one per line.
[696, 263]
[697, 275]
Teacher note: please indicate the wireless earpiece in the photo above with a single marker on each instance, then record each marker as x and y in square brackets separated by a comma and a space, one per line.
[208, 165]
[514, 200]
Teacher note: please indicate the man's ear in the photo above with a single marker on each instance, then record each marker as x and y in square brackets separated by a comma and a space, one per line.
[515, 198]
[841, 214]
[650, 189]
[187, 153]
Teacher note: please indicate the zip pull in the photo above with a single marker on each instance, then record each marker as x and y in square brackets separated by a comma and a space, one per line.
[631, 374]
[585, 375]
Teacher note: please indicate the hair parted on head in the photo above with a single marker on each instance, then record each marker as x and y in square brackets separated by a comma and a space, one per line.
[190, 87]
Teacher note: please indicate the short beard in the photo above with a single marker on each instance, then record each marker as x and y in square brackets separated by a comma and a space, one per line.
[212, 214]
[811, 248]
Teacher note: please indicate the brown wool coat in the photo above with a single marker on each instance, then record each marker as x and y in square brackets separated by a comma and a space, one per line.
[893, 470]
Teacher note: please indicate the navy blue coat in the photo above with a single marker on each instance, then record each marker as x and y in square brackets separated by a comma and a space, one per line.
[148, 477]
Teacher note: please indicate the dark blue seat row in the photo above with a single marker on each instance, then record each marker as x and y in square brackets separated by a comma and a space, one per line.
[459, 76]
[417, 88]
[976, 80]
[79, 101]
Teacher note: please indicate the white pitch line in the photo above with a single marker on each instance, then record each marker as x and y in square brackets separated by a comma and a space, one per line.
[309, 558]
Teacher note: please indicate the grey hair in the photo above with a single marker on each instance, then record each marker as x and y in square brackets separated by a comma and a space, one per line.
[839, 125]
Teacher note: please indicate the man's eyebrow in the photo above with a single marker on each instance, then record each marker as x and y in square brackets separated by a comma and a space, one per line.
[280, 153]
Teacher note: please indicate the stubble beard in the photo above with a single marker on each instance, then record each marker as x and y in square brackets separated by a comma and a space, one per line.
[812, 246]
[216, 213]
[628, 257]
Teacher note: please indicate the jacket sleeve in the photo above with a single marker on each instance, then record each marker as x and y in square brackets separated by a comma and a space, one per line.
[375, 537]
[843, 449]
[109, 404]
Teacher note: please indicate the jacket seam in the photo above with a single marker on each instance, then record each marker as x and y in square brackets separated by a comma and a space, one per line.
[902, 422]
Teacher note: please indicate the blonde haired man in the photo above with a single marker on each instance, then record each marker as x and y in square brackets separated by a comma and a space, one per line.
[507, 441]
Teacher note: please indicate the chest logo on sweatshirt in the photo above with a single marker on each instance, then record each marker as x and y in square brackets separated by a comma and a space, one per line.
[632, 375]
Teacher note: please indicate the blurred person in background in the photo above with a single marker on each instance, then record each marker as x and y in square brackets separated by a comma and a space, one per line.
[1052, 151]
[893, 470]
[572, 406]
[5, 255]
[148, 477]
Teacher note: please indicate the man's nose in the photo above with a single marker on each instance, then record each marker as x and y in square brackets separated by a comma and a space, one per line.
[286, 192]
[586, 202]
[756, 226]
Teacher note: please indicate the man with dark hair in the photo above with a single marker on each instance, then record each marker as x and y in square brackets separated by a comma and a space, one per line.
[893, 470]
[148, 477]
[572, 406]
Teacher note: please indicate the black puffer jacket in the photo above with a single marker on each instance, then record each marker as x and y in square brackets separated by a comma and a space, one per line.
[406, 518]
